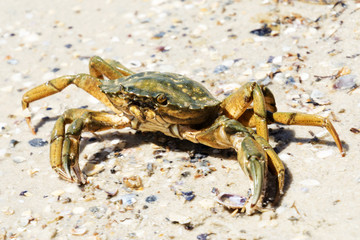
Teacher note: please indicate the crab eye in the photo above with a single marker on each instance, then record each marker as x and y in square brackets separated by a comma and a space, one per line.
[162, 99]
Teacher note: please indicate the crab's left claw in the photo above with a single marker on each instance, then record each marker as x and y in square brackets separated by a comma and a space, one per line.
[253, 161]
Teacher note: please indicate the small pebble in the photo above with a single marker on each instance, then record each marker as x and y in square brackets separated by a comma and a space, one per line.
[316, 94]
[263, 31]
[304, 76]
[151, 199]
[127, 199]
[189, 196]
[277, 60]
[23, 193]
[305, 189]
[38, 142]
[159, 35]
[18, 159]
[12, 61]
[23, 221]
[135, 63]
[270, 59]
[220, 69]
[13, 143]
[290, 80]
[203, 236]
[99, 212]
[133, 182]
[228, 63]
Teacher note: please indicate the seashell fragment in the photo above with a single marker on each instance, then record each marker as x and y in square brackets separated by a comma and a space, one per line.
[91, 169]
[345, 82]
[133, 182]
[231, 200]
[79, 231]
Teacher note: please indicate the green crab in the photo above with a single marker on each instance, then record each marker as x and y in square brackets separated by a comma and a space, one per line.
[178, 107]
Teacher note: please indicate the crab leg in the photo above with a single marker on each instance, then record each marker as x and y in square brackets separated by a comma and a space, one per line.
[84, 81]
[237, 103]
[64, 148]
[112, 69]
[289, 118]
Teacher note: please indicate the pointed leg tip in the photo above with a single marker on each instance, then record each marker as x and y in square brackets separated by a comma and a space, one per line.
[32, 129]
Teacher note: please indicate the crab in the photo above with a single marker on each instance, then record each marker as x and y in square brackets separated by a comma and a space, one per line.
[178, 107]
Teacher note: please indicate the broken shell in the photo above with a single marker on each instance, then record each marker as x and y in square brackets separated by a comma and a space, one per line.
[79, 231]
[91, 169]
[345, 82]
[126, 200]
[231, 200]
[133, 182]
[8, 211]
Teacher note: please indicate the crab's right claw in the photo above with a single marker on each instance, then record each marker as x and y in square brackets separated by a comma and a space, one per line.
[253, 161]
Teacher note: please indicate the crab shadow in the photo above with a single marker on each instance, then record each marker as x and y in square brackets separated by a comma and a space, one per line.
[193, 150]
[281, 136]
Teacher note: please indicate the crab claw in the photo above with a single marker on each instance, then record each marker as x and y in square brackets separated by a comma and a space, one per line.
[257, 169]
[253, 161]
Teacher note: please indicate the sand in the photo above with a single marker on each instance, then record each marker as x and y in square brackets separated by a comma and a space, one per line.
[312, 59]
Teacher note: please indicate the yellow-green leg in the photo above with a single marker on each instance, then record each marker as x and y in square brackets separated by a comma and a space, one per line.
[112, 69]
[84, 81]
[237, 103]
[290, 118]
[304, 119]
[64, 145]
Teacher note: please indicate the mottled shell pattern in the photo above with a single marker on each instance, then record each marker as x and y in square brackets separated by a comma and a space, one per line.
[170, 95]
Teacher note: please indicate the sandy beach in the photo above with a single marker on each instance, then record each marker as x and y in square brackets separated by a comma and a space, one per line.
[308, 55]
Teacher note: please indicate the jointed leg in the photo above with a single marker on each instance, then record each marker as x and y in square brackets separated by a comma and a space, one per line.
[64, 148]
[84, 81]
[110, 68]
[237, 103]
[289, 118]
